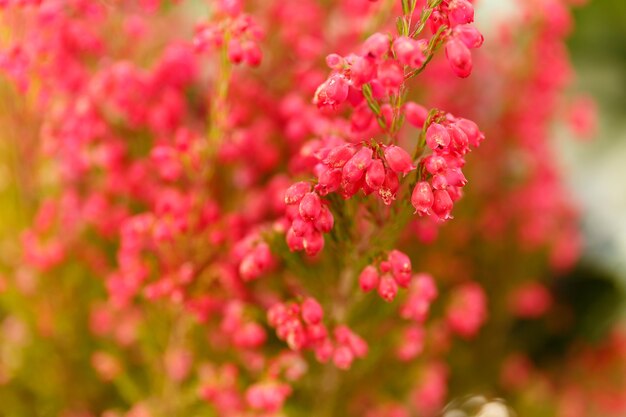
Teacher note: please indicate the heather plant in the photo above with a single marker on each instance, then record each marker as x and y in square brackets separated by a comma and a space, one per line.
[306, 208]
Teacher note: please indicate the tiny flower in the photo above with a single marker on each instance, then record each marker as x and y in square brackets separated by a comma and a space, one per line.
[252, 54]
[439, 182]
[332, 93]
[415, 114]
[388, 190]
[390, 74]
[459, 139]
[368, 279]
[329, 181]
[437, 137]
[375, 174]
[267, 396]
[310, 206]
[325, 221]
[235, 51]
[301, 227]
[469, 35]
[425, 286]
[362, 70]
[400, 267]
[435, 164]
[376, 46]
[312, 312]
[354, 169]
[467, 310]
[474, 135]
[295, 193]
[343, 357]
[530, 300]
[422, 198]
[442, 205]
[409, 51]
[338, 156]
[459, 57]
[334, 61]
[324, 351]
[295, 243]
[455, 177]
[398, 160]
[313, 243]
[387, 288]
[460, 12]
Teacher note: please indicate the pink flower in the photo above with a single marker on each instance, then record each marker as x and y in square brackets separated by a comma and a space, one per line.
[375, 174]
[310, 206]
[368, 279]
[400, 267]
[437, 137]
[332, 93]
[415, 114]
[387, 288]
[422, 198]
[409, 51]
[459, 58]
[312, 312]
[398, 160]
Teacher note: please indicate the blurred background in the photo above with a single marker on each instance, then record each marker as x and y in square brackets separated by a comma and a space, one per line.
[597, 169]
[595, 166]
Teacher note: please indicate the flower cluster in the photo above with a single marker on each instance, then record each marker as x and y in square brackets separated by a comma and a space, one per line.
[301, 326]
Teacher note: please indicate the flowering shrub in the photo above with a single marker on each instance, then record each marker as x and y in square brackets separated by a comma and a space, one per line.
[286, 208]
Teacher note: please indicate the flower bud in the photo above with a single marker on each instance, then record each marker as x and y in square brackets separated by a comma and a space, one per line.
[313, 243]
[390, 74]
[387, 288]
[460, 12]
[435, 164]
[353, 169]
[334, 61]
[328, 181]
[409, 52]
[312, 312]
[469, 35]
[375, 174]
[459, 58]
[301, 227]
[325, 221]
[376, 46]
[252, 54]
[398, 160]
[362, 70]
[442, 205]
[459, 139]
[295, 243]
[455, 178]
[439, 182]
[235, 51]
[474, 135]
[295, 193]
[338, 156]
[310, 206]
[415, 114]
[343, 357]
[368, 279]
[400, 267]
